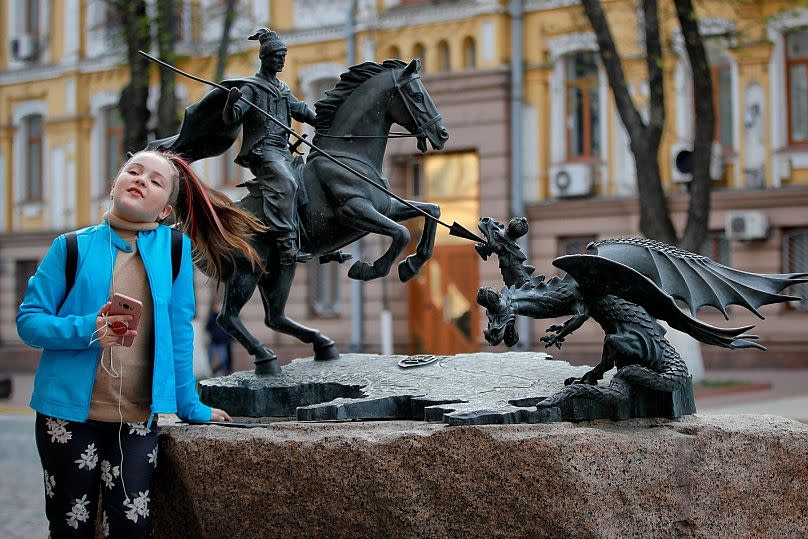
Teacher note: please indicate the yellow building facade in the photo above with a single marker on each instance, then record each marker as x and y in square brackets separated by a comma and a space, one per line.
[62, 67]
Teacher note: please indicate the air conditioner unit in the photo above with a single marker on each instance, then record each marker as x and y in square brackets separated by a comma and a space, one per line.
[24, 47]
[682, 162]
[571, 180]
[746, 225]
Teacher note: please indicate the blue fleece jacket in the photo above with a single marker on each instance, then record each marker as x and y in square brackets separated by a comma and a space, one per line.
[64, 379]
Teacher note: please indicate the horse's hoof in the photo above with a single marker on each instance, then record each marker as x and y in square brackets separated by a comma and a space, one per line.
[406, 271]
[325, 352]
[268, 367]
[361, 271]
[266, 362]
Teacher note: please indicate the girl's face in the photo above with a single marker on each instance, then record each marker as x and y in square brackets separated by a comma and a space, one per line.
[142, 189]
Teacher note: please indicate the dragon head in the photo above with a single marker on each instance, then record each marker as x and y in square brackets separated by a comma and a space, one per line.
[501, 317]
[500, 239]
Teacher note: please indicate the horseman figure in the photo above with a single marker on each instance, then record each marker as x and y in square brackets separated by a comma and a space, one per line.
[265, 148]
[338, 196]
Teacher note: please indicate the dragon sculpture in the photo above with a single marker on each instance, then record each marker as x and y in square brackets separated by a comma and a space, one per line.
[625, 285]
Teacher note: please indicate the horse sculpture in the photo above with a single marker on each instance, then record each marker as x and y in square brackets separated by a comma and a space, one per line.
[353, 124]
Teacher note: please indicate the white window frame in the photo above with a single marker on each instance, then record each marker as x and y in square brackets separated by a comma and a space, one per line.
[320, 13]
[559, 48]
[21, 206]
[683, 84]
[99, 200]
[100, 38]
[15, 26]
[783, 158]
[245, 23]
[72, 31]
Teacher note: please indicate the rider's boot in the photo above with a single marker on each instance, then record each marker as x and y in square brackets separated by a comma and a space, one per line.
[289, 252]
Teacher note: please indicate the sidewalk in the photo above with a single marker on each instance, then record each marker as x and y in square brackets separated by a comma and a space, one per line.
[787, 396]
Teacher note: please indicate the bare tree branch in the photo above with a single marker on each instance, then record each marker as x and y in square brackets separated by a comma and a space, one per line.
[167, 118]
[227, 25]
[698, 212]
[132, 104]
[656, 83]
[655, 220]
[614, 69]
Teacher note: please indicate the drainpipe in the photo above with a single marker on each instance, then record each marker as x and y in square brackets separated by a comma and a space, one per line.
[357, 288]
[517, 87]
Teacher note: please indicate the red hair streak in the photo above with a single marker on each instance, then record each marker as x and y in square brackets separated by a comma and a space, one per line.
[194, 182]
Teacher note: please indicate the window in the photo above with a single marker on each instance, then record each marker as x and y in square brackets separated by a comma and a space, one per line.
[23, 270]
[795, 260]
[112, 142]
[717, 248]
[323, 281]
[444, 56]
[469, 53]
[32, 127]
[394, 53]
[719, 61]
[797, 81]
[31, 14]
[451, 180]
[574, 245]
[583, 106]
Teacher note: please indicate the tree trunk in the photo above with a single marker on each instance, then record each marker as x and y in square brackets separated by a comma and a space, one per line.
[167, 119]
[698, 211]
[132, 104]
[227, 25]
[655, 220]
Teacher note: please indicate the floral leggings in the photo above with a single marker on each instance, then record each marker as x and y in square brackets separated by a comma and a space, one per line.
[80, 460]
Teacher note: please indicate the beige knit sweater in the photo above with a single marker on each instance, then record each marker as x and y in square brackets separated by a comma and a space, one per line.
[130, 374]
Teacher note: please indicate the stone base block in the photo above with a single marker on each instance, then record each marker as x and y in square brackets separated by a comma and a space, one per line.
[696, 477]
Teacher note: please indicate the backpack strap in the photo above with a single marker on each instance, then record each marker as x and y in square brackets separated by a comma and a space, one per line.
[72, 259]
[176, 253]
[71, 263]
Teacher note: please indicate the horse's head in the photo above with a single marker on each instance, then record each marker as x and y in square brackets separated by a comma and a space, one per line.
[414, 109]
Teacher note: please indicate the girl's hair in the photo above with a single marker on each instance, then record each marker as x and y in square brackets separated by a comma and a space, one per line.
[218, 229]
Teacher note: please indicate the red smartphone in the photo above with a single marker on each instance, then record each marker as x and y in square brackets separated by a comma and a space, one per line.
[125, 305]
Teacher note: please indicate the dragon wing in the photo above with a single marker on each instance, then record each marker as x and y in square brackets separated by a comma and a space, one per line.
[695, 279]
[599, 276]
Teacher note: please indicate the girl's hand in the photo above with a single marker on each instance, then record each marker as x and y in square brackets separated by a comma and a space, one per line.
[107, 338]
[219, 415]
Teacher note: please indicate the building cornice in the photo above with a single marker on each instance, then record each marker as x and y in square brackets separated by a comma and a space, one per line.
[730, 199]
[404, 16]
[543, 5]
[31, 73]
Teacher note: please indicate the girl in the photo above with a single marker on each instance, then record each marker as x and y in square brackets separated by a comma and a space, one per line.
[96, 401]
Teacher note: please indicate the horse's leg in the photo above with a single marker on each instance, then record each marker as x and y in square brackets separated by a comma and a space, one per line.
[237, 291]
[410, 266]
[361, 215]
[274, 288]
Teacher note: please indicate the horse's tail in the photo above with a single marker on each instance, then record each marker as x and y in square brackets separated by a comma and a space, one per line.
[219, 229]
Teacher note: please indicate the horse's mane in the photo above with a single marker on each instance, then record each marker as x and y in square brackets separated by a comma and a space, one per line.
[327, 107]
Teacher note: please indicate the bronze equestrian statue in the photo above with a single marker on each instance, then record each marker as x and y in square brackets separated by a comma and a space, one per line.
[334, 207]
